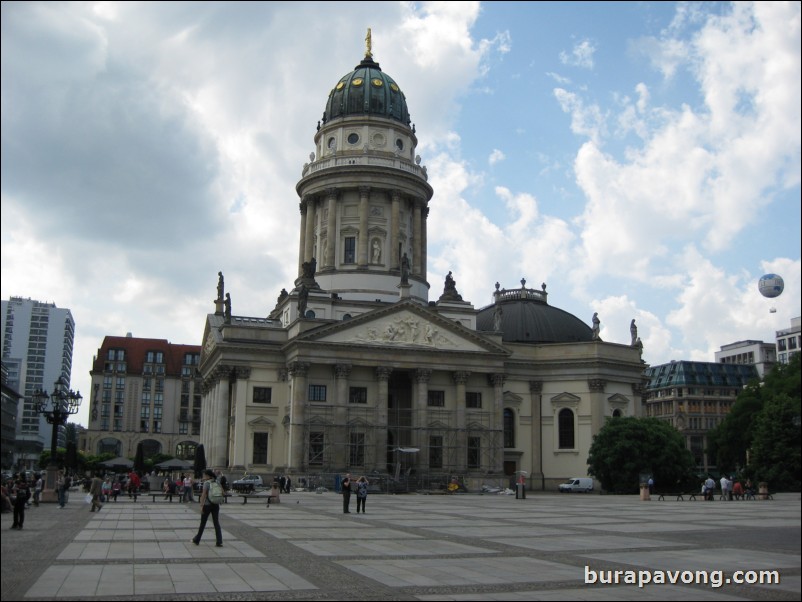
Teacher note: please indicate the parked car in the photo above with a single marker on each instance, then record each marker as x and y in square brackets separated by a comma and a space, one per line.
[577, 484]
[247, 484]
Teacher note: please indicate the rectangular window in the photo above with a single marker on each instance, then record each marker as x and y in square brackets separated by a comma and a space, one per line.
[147, 384]
[781, 345]
[144, 412]
[158, 399]
[157, 426]
[183, 428]
[317, 392]
[143, 426]
[186, 371]
[316, 441]
[146, 398]
[262, 395]
[436, 399]
[118, 424]
[159, 357]
[350, 249]
[473, 399]
[358, 395]
[260, 448]
[121, 382]
[149, 356]
[107, 382]
[105, 411]
[157, 413]
[356, 456]
[436, 451]
[474, 452]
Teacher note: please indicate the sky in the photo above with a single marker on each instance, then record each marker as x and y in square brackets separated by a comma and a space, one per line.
[642, 159]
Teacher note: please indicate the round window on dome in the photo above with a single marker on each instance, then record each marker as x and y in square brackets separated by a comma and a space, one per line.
[377, 82]
[399, 144]
[353, 138]
[394, 88]
[357, 82]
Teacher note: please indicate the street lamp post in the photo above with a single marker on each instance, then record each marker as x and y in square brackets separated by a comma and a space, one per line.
[56, 408]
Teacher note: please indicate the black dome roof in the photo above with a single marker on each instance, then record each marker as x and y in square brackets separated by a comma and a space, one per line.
[527, 318]
[367, 90]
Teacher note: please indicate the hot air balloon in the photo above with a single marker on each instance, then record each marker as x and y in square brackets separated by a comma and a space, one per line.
[770, 285]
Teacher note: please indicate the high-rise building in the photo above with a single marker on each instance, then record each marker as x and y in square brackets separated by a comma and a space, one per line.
[37, 350]
[789, 340]
[144, 391]
[695, 397]
[762, 355]
[356, 369]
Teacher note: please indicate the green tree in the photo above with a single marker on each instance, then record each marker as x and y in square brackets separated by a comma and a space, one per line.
[730, 440]
[776, 444]
[626, 448]
[764, 420]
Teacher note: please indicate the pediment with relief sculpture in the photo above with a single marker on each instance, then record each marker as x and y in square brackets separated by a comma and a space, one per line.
[406, 325]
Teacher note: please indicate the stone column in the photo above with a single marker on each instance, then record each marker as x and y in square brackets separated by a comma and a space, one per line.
[424, 244]
[460, 378]
[296, 443]
[240, 445]
[417, 238]
[341, 429]
[421, 421]
[219, 455]
[395, 226]
[309, 237]
[498, 418]
[364, 243]
[331, 235]
[536, 441]
[302, 246]
[596, 386]
[383, 377]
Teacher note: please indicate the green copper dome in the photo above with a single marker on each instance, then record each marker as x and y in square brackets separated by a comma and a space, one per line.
[367, 90]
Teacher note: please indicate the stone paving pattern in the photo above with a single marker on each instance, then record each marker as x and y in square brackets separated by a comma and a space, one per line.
[406, 547]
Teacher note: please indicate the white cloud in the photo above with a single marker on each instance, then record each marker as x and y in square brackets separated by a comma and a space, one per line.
[496, 156]
[580, 56]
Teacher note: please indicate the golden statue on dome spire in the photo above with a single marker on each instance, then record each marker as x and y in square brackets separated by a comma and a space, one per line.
[368, 46]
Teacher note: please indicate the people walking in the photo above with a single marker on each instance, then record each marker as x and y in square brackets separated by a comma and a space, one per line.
[188, 484]
[96, 490]
[346, 492]
[23, 494]
[61, 488]
[37, 488]
[361, 493]
[209, 507]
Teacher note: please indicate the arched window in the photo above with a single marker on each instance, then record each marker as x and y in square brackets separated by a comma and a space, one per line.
[110, 445]
[186, 450]
[509, 428]
[565, 423]
[616, 413]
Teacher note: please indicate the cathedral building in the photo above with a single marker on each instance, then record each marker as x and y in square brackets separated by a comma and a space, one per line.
[366, 367]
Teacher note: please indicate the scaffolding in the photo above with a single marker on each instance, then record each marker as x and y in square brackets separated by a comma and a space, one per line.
[403, 444]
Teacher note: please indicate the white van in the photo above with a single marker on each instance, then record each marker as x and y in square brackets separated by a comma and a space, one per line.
[577, 484]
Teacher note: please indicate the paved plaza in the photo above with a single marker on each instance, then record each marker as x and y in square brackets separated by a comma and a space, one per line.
[406, 547]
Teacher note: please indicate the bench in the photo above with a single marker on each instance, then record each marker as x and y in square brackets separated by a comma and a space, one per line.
[245, 497]
[167, 496]
[680, 496]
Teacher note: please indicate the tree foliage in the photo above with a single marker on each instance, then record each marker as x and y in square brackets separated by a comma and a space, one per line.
[764, 420]
[776, 444]
[625, 449]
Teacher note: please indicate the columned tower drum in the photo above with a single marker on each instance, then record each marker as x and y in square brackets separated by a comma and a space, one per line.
[364, 196]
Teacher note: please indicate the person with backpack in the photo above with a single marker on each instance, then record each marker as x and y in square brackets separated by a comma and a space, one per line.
[211, 498]
[361, 493]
